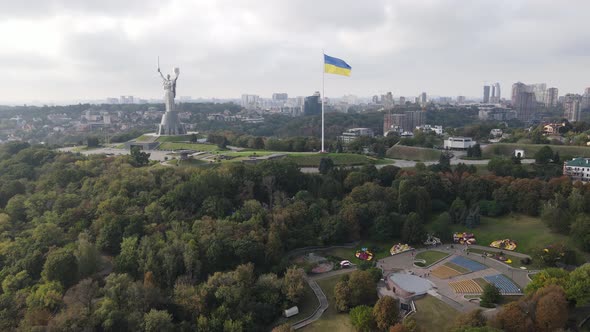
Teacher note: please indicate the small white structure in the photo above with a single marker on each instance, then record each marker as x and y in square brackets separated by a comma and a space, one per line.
[459, 143]
[519, 153]
[496, 132]
[345, 264]
[291, 312]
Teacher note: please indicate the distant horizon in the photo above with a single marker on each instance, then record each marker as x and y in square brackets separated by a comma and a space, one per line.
[63, 51]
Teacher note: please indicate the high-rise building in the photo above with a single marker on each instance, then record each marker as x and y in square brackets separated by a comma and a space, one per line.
[280, 96]
[486, 94]
[375, 99]
[112, 101]
[572, 107]
[423, 98]
[405, 122]
[250, 101]
[387, 99]
[551, 97]
[517, 88]
[539, 90]
[460, 100]
[496, 93]
[312, 104]
[402, 100]
[586, 100]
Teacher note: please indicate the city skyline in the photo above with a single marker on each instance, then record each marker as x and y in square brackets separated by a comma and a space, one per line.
[65, 52]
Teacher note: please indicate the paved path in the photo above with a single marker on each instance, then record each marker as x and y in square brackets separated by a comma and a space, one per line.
[322, 299]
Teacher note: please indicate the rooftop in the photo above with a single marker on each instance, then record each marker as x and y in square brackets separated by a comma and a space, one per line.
[411, 283]
[578, 162]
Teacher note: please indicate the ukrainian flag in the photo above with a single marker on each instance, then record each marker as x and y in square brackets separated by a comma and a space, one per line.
[336, 66]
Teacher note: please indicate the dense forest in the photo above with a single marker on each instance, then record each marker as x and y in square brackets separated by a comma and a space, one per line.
[108, 243]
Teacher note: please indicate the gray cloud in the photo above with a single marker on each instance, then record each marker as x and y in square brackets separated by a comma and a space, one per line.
[225, 48]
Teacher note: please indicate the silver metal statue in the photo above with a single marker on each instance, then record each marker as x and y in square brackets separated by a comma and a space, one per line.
[170, 124]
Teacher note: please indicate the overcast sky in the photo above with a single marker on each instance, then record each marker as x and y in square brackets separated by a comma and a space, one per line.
[55, 50]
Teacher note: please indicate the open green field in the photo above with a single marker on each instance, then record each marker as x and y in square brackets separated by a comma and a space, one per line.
[331, 320]
[529, 233]
[307, 306]
[412, 153]
[433, 314]
[431, 256]
[507, 150]
[180, 138]
[144, 138]
[339, 159]
[187, 146]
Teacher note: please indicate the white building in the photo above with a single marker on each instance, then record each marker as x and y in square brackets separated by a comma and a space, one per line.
[436, 129]
[577, 169]
[353, 133]
[459, 143]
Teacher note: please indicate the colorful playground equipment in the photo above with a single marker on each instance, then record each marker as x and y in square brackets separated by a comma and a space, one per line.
[364, 254]
[464, 238]
[399, 248]
[506, 244]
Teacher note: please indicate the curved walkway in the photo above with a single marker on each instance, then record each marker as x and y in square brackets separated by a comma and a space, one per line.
[322, 299]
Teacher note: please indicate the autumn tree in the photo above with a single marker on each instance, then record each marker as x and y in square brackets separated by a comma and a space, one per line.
[294, 284]
[386, 313]
[551, 311]
[474, 318]
[342, 296]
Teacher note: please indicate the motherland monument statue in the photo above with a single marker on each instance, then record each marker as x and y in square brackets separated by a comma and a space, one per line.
[170, 124]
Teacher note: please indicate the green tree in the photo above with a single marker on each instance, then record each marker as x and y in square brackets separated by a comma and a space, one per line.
[544, 155]
[138, 157]
[580, 231]
[442, 226]
[413, 230]
[458, 211]
[546, 277]
[326, 164]
[578, 285]
[386, 313]
[157, 321]
[363, 288]
[46, 296]
[491, 294]
[87, 256]
[361, 318]
[61, 265]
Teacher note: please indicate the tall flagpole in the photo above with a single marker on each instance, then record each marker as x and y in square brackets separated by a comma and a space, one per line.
[323, 96]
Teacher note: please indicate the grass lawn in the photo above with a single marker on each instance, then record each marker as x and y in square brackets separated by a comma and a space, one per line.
[481, 282]
[515, 260]
[528, 232]
[144, 138]
[339, 159]
[412, 153]
[431, 256]
[307, 306]
[187, 146]
[434, 315]
[180, 138]
[507, 149]
[331, 320]
[380, 250]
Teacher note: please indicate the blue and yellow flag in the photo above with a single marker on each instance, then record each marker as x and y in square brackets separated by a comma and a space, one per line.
[336, 66]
